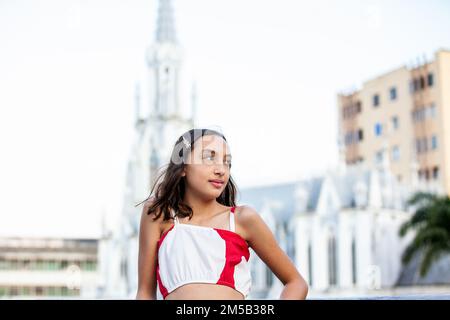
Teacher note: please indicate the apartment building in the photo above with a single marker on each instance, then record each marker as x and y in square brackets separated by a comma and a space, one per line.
[402, 119]
[48, 268]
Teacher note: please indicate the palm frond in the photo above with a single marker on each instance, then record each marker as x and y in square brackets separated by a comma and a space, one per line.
[432, 254]
[431, 220]
[421, 198]
[409, 252]
[418, 218]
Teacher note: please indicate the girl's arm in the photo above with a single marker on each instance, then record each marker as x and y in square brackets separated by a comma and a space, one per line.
[149, 233]
[263, 242]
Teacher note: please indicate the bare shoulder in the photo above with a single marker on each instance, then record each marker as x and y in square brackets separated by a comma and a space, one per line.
[149, 219]
[245, 213]
[246, 217]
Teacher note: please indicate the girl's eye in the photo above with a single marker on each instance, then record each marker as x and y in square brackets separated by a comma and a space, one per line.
[211, 157]
[208, 158]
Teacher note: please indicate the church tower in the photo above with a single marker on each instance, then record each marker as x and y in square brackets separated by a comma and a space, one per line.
[160, 117]
[166, 120]
[159, 120]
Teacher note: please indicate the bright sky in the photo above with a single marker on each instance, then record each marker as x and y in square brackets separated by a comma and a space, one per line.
[267, 73]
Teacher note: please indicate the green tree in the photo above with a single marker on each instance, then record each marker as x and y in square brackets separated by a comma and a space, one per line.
[431, 221]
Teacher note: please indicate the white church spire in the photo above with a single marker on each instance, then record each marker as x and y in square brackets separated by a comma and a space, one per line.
[162, 121]
[168, 119]
[164, 61]
[165, 30]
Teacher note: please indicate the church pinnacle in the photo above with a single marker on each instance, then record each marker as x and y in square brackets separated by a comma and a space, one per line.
[165, 30]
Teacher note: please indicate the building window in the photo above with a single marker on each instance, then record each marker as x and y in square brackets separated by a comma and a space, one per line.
[422, 114]
[360, 135]
[436, 173]
[353, 137]
[376, 100]
[351, 110]
[433, 110]
[395, 153]
[310, 268]
[422, 83]
[393, 93]
[348, 138]
[39, 291]
[433, 142]
[64, 291]
[379, 156]
[419, 115]
[395, 122]
[123, 268]
[378, 129]
[425, 144]
[415, 85]
[427, 174]
[332, 261]
[422, 145]
[14, 291]
[354, 270]
[430, 79]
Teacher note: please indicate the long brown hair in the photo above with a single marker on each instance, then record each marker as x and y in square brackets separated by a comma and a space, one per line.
[171, 189]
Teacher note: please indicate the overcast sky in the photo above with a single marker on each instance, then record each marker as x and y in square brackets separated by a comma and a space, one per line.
[267, 73]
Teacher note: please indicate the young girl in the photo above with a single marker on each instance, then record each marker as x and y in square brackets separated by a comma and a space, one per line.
[194, 240]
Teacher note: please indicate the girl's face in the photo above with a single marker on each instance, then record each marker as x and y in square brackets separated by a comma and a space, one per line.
[209, 160]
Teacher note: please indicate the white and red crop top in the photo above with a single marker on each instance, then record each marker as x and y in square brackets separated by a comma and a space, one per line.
[190, 253]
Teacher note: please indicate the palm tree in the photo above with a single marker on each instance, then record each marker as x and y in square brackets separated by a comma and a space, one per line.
[431, 221]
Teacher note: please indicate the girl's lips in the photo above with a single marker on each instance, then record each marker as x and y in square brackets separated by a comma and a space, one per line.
[216, 184]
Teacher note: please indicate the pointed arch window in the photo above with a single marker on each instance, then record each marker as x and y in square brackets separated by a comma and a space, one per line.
[354, 270]
[332, 261]
[310, 264]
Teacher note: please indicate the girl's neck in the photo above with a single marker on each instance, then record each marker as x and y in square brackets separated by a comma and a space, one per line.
[203, 209]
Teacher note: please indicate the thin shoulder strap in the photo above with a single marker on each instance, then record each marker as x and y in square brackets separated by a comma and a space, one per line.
[232, 225]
